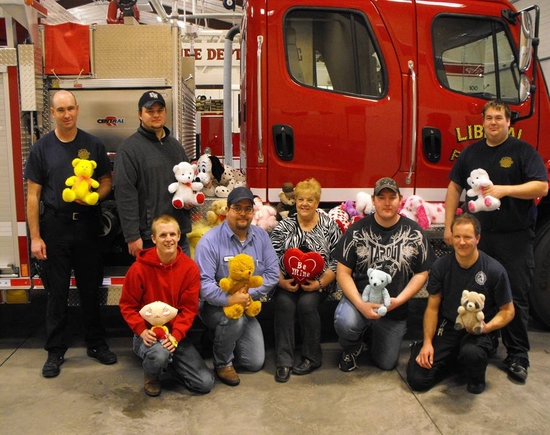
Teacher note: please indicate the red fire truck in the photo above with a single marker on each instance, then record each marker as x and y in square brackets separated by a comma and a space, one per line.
[350, 91]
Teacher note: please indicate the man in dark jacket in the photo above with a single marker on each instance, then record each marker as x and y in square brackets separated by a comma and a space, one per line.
[143, 171]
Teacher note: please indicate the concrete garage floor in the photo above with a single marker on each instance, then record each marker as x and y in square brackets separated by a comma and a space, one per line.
[88, 398]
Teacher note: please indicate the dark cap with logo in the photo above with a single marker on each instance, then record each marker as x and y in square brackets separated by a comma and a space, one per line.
[149, 98]
[238, 194]
[386, 183]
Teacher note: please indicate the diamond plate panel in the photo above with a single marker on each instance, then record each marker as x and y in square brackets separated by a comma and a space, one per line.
[119, 51]
[8, 57]
[27, 77]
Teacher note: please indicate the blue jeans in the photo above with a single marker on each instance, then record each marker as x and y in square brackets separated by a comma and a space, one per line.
[185, 364]
[386, 334]
[240, 339]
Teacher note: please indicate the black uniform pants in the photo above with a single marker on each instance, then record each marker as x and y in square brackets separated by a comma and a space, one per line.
[452, 347]
[71, 245]
[515, 252]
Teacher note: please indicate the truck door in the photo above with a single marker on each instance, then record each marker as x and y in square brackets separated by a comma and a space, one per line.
[334, 97]
[467, 56]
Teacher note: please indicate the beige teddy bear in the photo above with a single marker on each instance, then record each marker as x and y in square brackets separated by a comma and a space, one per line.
[241, 268]
[217, 213]
[470, 312]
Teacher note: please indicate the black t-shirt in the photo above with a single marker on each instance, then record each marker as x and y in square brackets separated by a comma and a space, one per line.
[50, 164]
[485, 276]
[401, 251]
[510, 163]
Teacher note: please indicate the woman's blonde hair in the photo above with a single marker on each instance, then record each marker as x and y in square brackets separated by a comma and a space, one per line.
[311, 185]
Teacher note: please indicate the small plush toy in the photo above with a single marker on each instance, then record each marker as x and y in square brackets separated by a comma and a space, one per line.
[264, 215]
[209, 172]
[478, 180]
[414, 208]
[470, 312]
[241, 269]
[157, 314]
[363, 203]
[376, 291]
[185, 190]
[82, 183]
[288, 201]
[217, 213]
[302, 266]
[341, 217]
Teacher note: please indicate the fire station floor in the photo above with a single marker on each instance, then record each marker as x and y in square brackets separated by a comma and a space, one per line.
[89, 398]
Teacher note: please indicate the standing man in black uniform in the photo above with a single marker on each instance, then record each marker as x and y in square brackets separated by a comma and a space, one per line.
[519, 176]
[65, 235]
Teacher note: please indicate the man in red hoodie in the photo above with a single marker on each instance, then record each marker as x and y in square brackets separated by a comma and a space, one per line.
[164, 273]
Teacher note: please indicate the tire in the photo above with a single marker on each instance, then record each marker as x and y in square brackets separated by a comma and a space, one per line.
[539, 297]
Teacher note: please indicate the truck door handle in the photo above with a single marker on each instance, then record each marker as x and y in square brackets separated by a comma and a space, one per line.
[431, 140]
[283, 138]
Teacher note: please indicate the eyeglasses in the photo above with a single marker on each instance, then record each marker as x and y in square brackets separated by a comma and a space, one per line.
[238, 209]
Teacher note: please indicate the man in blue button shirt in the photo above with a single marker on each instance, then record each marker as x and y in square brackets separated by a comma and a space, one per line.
[235, 339]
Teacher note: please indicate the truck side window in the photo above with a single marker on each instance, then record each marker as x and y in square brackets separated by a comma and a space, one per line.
[474, 56]
[333, 50]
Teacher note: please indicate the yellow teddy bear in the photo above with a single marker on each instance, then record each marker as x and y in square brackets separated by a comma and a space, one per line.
[80, 184]
[241, 268]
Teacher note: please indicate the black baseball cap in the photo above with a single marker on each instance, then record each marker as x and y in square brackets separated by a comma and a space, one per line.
[238, 194]
[149, 98]
[386, 183]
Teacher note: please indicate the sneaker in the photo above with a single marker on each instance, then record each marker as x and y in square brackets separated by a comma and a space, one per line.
[476, 387]
[228, 376]
[151, 386]
[51, 366]
[348, 361]
[103, 354]
[517, 367]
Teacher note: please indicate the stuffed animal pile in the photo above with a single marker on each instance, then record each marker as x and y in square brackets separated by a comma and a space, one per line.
[185, 189]
[470, 312]
[376, 291]
[478, 180]
[157, 314]
[241, 269]
[80, 184]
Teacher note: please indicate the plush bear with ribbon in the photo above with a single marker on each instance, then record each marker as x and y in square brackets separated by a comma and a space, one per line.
[80, 184]
[241, 270]
[478, 181]
[376, 291]
[217, 213]
[158, 314]
[303, 266]
[186, 190]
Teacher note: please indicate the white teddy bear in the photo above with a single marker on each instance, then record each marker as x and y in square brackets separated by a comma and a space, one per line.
[478, 180]
[185, 190]
[376, 291]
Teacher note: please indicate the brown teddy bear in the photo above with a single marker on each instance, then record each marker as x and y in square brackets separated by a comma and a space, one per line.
[217, 213]
[288, 201]
[241, 268]
[470, 314]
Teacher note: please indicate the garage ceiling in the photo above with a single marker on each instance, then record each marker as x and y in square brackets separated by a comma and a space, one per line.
[209, 14]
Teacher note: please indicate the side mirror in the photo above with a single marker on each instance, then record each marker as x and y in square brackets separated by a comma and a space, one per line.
[524, 88]
[525, 41]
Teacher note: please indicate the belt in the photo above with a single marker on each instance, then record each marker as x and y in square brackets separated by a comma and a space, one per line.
[70, 216]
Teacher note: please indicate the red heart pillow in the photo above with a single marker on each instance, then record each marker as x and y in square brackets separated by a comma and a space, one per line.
[303, 266]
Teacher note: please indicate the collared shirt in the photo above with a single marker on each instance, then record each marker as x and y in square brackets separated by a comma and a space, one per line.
[218, 245]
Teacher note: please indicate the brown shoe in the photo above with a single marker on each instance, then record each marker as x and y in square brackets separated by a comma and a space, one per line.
[152, 385]
[228, 376]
